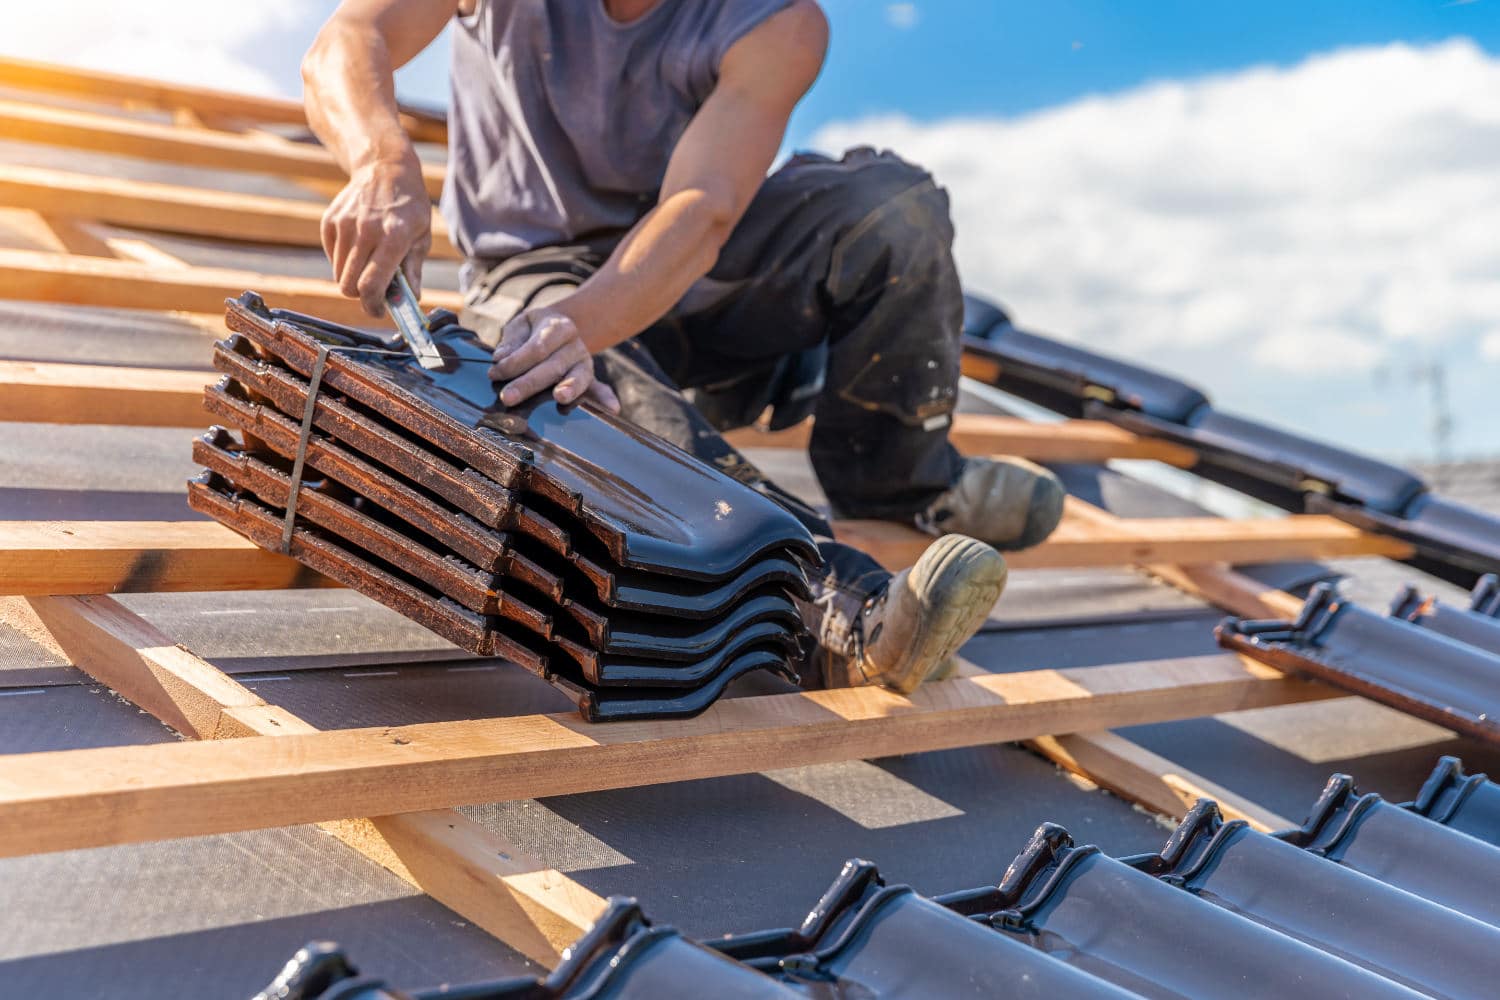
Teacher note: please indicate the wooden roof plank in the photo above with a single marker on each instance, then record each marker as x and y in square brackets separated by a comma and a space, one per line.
[989, 434]
[89, 798]
[55, 393]
[1078, 543]
[46, 558]
[34, 276]
[101, 557]
[178, 144]
[176, 208]
[117, 88]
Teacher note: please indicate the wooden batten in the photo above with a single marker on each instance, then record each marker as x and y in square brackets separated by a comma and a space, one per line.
[49, 393]
[185, 146]
[1126, 542]
[85, 798]
[203, 103]
[175, 208]
[106, 557]
[1135, 773]
[40, 558]
[987, 434]
[32, 276]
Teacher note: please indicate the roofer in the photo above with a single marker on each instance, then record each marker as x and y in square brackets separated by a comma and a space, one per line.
[607, 184]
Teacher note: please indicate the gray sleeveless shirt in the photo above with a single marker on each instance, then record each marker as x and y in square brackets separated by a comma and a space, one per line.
[562, 119]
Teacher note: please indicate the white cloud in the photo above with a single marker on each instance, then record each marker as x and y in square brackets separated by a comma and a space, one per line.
[903, 16]
[190, 41]
[1337, 352]
[1489, 347]
[1312, 221]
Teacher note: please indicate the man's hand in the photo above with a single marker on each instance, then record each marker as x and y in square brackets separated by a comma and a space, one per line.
[542, 349]
[381, 220]
[383, 217]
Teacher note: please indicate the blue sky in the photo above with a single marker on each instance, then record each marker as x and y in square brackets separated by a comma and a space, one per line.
[963, 57]
[945, 58]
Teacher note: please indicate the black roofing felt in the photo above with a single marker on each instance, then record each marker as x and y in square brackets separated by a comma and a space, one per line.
[1350, 905]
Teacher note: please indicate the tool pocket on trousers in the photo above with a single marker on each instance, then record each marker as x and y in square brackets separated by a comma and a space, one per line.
[914, 386]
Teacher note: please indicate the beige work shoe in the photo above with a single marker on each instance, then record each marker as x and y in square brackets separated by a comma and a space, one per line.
[913, 628]
[1008, 502]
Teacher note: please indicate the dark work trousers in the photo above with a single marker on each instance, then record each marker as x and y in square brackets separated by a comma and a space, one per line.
[852, 256]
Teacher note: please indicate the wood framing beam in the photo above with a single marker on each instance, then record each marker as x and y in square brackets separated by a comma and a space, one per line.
[72, 235]
[174, 208]
[119, 89]
[99, 557]
[981, 369]
[31, 276]
[484, 878]
[142, 251]
[1078, 542]
[987, 434]
[86, 798]
[1234, 592]
[1138, 775]
[51, 393]
[120, 649]
[177, 144]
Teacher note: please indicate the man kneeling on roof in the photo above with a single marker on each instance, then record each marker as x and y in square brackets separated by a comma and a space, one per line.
[607, 184]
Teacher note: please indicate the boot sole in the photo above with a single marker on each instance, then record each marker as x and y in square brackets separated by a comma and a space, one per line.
[959, 588]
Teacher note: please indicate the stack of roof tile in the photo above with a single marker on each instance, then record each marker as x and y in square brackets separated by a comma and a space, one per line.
[632, 576]
[1294, 472]
[1367, 899]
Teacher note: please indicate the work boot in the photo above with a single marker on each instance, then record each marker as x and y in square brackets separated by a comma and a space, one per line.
[912, 628]
[1008, 502]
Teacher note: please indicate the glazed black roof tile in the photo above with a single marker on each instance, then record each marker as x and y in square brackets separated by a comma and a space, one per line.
[1465, 625]
[1286, 469]
[1368, 899]
[1403, 848]
[1152, 939]
[1386, 658]
[1399, 935]
[1062, 377]
[1467, 803]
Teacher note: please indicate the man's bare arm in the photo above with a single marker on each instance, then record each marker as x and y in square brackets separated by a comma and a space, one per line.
[715, 170]
[383, 216]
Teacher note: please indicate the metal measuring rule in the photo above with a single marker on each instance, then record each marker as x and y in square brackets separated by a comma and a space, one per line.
[401, 303]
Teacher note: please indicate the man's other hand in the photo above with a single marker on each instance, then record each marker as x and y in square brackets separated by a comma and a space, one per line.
[542, 349]
[382, 219]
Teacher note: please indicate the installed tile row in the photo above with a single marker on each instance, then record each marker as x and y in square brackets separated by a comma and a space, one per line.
[634, 577]
[1291, 471]
[1424, 657]
[1366, 900]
